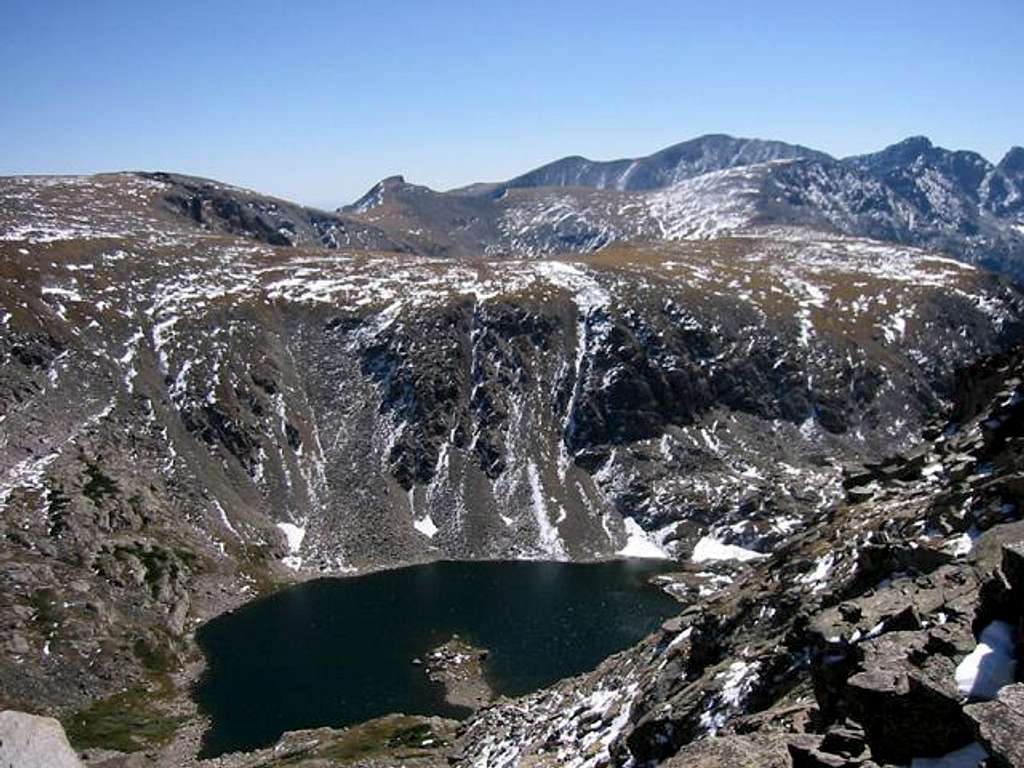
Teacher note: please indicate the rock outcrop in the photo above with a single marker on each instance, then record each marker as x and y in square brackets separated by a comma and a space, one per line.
[999, 726]
[30, 741]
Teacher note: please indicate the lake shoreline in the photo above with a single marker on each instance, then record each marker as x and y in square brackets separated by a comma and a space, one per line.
[186, 745]
[359, 635]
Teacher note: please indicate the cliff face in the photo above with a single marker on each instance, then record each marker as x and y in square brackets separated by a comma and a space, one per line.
[190, 414]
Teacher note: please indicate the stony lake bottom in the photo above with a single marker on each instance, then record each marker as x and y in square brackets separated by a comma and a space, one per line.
[339, 651]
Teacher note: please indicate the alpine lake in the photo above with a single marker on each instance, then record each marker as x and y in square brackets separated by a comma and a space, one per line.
[341, 651]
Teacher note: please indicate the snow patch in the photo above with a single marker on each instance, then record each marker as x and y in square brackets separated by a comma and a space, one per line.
[991, 664]
[738, 681]
[425, 525]
[227, 523]
[962, 544]
[818, 578]
[549, 541]
[709, 549]
[294, 535]
[639, 543]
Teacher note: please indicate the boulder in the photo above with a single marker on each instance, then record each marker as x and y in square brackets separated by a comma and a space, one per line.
[1013, 566]
[854, 476]
[999, 726]
[906, 700]
[846, 741]
[753, 751]
[30, 741]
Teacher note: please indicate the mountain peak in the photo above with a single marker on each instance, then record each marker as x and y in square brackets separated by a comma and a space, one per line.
[375, 195]
[917, 140]
[668, 166]
[910, 147]
[1013, 162]
[895, 156]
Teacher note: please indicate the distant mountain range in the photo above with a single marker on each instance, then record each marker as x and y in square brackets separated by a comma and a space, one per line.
[715, 152]
[911, 193]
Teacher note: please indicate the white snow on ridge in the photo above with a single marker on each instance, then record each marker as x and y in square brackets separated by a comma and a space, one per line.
[818, 578]
[27, 473]
[739, 680]
[588, 293]
[706, 206]
[962, 543]
[227, 523]
[548, 538]
[67, 293]
[602, 703]
[293, 534]
[528, 226]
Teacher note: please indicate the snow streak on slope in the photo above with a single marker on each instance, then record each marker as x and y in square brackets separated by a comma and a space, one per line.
[706, 206]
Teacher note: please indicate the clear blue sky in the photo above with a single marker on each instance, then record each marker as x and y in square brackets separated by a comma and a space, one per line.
[316, 100]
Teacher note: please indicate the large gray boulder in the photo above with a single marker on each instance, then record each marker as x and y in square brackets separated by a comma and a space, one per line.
[999, 725]
[751, 751]
[30, 741]
[906, 700]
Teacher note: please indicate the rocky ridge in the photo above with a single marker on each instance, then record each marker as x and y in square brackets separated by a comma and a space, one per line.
[912, 193]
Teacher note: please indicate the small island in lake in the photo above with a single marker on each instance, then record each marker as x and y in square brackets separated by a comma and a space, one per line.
[458, 665]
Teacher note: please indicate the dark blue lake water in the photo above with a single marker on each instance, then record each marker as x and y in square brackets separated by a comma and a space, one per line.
[339, 651]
